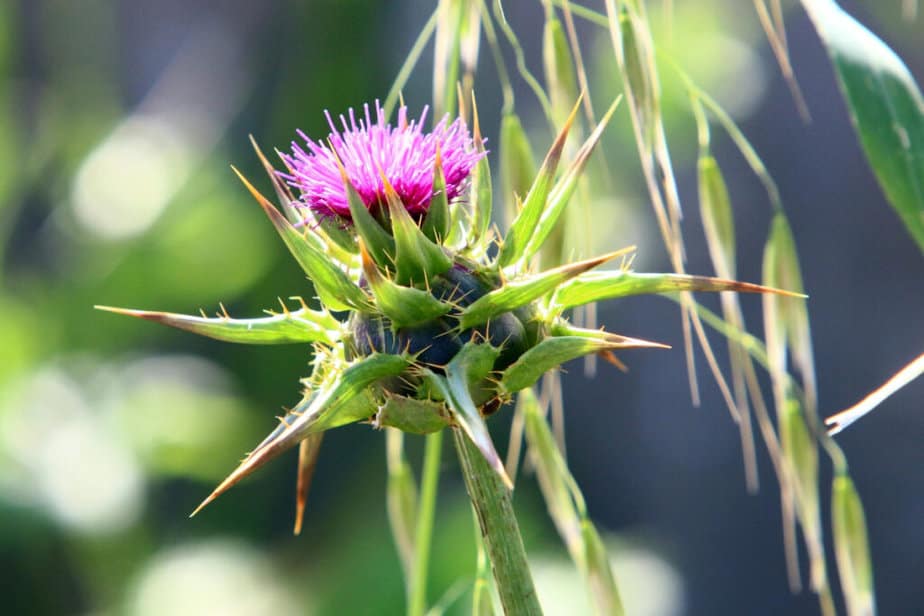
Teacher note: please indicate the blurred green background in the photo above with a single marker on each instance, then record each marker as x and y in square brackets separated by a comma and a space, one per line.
[117, 124]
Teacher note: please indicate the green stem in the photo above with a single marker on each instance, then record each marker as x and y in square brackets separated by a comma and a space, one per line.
[499, 529]
[429, 481]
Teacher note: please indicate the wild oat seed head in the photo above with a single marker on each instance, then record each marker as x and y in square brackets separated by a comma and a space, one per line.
[404, 153]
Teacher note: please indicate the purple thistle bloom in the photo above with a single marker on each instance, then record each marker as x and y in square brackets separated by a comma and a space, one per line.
[405, 154]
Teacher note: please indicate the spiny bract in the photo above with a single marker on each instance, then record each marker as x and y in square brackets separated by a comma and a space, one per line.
[438, 322]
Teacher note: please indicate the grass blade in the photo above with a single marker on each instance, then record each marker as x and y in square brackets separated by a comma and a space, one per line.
[845, 418]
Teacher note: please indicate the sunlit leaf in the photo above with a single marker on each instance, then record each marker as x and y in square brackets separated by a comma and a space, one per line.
[886, 107]
[469, 366]
[297, 326]
[481, 194]
[417, 258]
[405, 306]
[334, 287]
[436, 221]
[598, 286]
[565, 187]
[557, 350]
[377, 240]
[345, 397]
[412, 415]
[524, 225]
[520, 292]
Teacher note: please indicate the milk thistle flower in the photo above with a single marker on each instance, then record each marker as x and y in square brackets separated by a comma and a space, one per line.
[427, 319]
[373, 152]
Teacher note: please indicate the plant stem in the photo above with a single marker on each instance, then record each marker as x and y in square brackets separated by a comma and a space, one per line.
[499, 529]
[426, 509]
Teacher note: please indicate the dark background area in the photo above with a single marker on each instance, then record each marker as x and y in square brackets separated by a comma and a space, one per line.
[118, 121]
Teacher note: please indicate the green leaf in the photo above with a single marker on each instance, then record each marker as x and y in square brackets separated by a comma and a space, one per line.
[886, 107]
[378, 242]
[524, 290]
[344, 396]
[524, 225]
[299, 326]
[565, 187]
[412, 415]
[286, 199]
[417, 259]
[405, 306]
[334, 287]
[465, 372]
[436, 221]
[598, 286]
[481, 195]
[556, 350]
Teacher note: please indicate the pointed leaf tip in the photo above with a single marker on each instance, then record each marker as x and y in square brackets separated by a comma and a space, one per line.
[598, 286]
[556, 350]
[405, 306]
[379, 243]
[522, 291]
[524, 226]
[465, 374]
[290, 327]
[308, 451]
[343, 398]
[564, 188]
[437, 220]
[417, 258]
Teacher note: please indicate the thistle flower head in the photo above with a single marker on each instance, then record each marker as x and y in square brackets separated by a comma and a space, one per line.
[433, 331]
[371, 149]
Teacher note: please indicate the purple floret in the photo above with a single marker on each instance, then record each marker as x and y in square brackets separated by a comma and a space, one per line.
[404, 153]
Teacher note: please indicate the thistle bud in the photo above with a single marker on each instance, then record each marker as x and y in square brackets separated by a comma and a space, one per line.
[422, 327]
